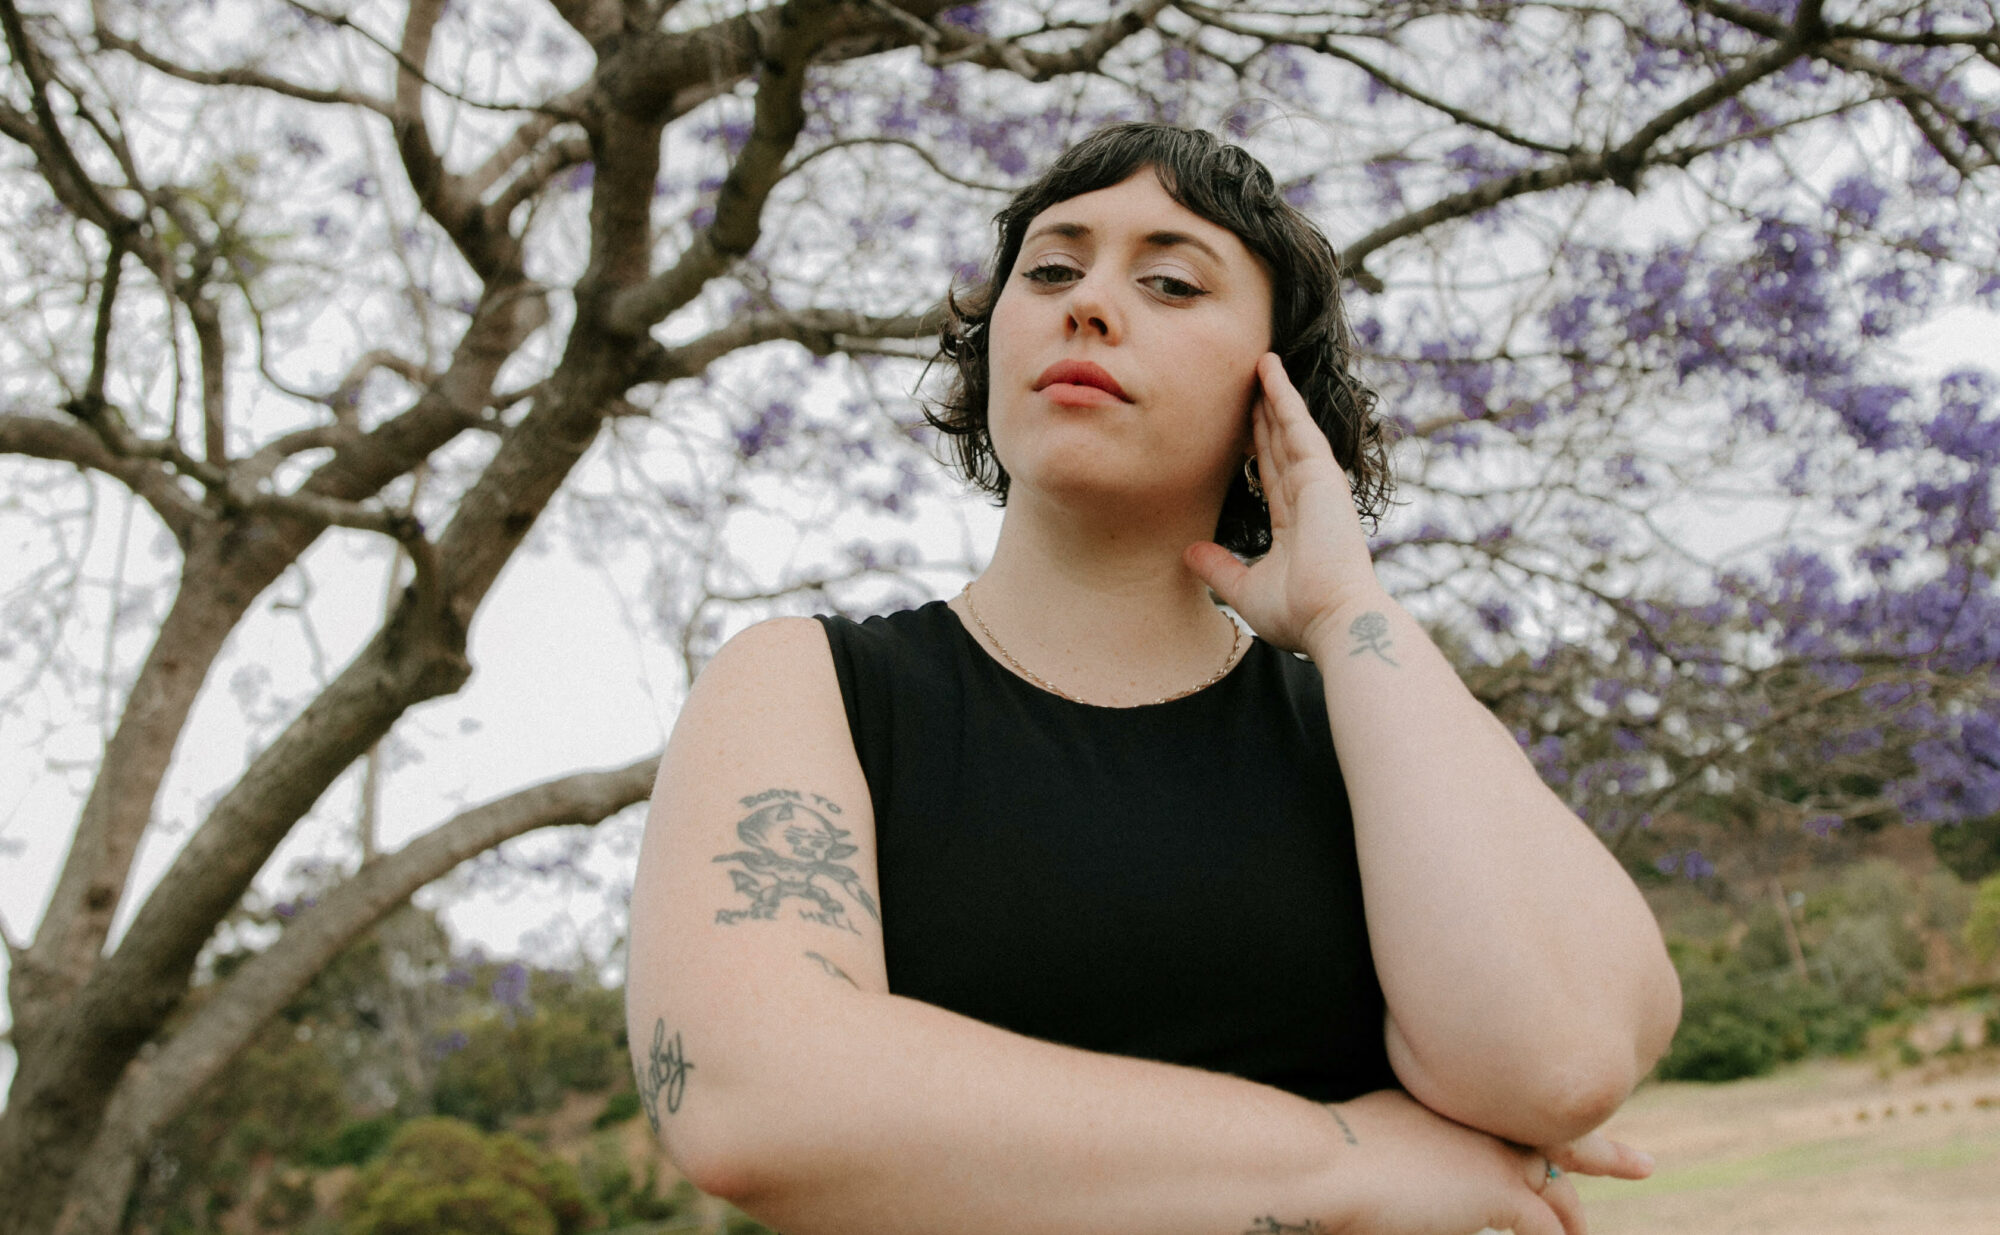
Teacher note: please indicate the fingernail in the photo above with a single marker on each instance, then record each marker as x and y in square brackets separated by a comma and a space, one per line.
[1645, 1159]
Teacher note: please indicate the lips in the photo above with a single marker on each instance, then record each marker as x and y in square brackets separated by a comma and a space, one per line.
[1080, 373]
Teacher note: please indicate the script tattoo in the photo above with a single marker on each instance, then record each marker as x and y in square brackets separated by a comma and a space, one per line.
[811, 844]
[1370, 633]
[833, 970]
[1271, 1226]
[665, 1076]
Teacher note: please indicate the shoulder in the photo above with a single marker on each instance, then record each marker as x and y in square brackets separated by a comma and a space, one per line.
[773, 665]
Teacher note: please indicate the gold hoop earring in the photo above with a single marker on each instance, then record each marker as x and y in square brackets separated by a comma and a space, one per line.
[1250, 478]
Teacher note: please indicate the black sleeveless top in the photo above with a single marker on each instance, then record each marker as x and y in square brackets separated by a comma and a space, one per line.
[1175, 882]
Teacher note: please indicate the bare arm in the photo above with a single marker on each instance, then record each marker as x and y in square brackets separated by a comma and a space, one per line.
[783, 1076]
[1527, 985]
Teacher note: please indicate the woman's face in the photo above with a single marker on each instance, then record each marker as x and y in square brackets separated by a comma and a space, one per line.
[1123, 351]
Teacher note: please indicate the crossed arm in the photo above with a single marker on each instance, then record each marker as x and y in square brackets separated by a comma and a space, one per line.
[782, 1074]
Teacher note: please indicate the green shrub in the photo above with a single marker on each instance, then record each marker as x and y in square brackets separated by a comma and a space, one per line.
[607, 1176]
[1735, 1025]
[444, 1177]
[351, 1144]
[521, 1063]
[1982, 925]
[1970, 850]
[622, 1106]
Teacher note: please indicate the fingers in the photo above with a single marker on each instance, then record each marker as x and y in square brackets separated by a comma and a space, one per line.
[1597, 1154]
[1561, 1198]
[1560, 1210]
[1218, 568]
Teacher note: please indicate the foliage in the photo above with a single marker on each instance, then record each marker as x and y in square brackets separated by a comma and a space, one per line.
[317, 1090]
[1735, 1024]
[517, 1059]
[431, 284]
[353, 1143]
[444, 1177]
[607, 1177]
[1746, 1008]
[621, 1107]
[1971, 849]
[1982, 926]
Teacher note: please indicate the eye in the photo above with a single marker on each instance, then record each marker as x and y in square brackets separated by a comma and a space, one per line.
[1051, 274]
[1173, 288]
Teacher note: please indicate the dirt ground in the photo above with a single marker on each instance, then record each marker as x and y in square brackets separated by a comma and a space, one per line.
[1824, 1148]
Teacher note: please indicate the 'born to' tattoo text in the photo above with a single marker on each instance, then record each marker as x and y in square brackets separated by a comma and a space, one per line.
[792, 851]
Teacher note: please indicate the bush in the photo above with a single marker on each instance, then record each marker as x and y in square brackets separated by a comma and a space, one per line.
[624, 1105]
[352, 1143]
[1970, 850]
[1982, 925]
[520, 1062]
[445, 1177]
[1735, 1025]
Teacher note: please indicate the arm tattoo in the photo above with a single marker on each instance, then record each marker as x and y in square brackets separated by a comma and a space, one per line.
[1271, 1226]
[833, 970]
[1370, 633]
[1345, 1131]
[665, 1075]
[811, 843]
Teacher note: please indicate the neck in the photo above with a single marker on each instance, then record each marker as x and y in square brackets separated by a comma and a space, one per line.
[1106, 613]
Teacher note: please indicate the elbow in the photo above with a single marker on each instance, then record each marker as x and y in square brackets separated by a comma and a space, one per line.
[1578, 1089]
[747, 1154]
[1573, 1100]
[717, 1163]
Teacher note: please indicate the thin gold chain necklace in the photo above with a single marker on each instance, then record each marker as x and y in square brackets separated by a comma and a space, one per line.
[1235, 641]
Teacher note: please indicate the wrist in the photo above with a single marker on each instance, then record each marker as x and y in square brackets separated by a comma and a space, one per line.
[1329, 636]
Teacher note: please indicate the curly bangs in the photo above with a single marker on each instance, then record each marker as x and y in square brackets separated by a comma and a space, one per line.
[1227, 186]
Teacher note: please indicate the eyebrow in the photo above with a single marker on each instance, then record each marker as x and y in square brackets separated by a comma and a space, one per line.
[1157, 240]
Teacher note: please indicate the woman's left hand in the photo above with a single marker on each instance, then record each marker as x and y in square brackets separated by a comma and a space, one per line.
[1319, 560]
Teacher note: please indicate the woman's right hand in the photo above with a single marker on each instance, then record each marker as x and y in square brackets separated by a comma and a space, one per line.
[1427, 1175]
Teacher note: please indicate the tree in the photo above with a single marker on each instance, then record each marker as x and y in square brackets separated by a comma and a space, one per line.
[427, 277]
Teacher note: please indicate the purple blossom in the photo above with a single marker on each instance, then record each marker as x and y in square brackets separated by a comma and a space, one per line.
[449, 1044]
[1496, 616]
[771, 429]
[302, 145]
[510, 988]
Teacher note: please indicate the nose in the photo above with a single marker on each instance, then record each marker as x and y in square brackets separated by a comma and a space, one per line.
[1091, 310]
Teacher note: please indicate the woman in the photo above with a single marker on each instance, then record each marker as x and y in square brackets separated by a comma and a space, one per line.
[1044, 910]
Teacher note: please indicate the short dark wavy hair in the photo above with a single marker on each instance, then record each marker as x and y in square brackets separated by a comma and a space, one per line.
[1227, 186]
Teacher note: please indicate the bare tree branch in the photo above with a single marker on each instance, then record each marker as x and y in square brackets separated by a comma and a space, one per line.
[790, 43]
[951, 45]
[1328, 45]
[58, 162]
[444, 196]
[1621, 165]
[239, 76]
[157, 1090]
[42, 437]
[821, 331]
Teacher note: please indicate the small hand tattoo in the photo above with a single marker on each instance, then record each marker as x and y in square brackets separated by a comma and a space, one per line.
[1271, 1226]
[1370, 633]
[665, 1075]
[769, 878]
[833, 970]
[1345, 1131]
